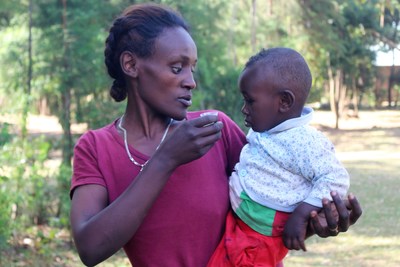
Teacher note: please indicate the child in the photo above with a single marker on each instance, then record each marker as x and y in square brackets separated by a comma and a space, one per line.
[284, 171]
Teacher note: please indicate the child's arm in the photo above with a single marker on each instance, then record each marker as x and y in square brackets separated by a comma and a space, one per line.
[296, 226]
[326, 174]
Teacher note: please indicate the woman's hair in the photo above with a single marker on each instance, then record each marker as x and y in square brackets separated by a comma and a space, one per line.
[136, 31]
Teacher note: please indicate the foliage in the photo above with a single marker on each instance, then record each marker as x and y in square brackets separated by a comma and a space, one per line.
[341, 36]
[30, 195]
[5, 212]
[69, 78]
[61, 218]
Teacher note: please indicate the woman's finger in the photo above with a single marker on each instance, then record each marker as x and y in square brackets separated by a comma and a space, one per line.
[331, 220]
[355, 209]
[317, 228]
[343, 223]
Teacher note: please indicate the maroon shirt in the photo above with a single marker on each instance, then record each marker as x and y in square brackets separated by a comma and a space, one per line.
[187, 220]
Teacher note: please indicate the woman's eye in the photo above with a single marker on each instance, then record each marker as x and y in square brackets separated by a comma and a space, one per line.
[176, 69]
[248, 101]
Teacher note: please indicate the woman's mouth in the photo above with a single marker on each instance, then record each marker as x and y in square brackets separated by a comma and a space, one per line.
[186, 101]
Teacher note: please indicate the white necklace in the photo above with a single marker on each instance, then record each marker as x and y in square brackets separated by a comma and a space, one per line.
[126, 142]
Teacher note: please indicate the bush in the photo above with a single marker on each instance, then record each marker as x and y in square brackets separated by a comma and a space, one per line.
[29, 194]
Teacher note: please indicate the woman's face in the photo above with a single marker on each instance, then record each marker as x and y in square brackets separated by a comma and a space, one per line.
[261, 98]
[165, 80]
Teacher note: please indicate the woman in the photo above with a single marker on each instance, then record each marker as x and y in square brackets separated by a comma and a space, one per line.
[155, 181]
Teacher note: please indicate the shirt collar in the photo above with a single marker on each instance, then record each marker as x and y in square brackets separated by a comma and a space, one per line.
[304, 119]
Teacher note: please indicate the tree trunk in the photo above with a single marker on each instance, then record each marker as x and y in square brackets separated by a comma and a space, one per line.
[391, 81]
[355, 98]
[270, 9]
[332, 95]
[231, 43]
[66, 96]
[337, 93]
[24, 130]
[395, 25]
[253, 25]
[342, 92]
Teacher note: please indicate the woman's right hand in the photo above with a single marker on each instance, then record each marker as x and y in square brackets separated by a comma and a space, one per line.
[336, 216]
[190, 140]
[92, 215]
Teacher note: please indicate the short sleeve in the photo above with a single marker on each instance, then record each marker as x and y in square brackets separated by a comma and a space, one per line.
[85, 163]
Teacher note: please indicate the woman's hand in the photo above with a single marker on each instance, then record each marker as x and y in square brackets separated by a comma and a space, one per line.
[190, 140]
[335, 217]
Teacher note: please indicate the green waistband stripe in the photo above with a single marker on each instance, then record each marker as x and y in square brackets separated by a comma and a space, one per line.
[258, 217]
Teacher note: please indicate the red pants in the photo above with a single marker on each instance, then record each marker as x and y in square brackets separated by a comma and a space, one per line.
[244, 247]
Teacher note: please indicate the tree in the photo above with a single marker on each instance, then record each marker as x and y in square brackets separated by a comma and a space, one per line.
[227, 33]
[72, 74]
[341, 34]
[391, 31]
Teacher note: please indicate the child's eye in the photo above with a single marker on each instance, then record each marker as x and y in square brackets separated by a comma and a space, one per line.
[176, 69]
[193, 69]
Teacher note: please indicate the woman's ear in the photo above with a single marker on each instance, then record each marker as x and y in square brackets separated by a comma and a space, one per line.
[128, 62]
[287, 100]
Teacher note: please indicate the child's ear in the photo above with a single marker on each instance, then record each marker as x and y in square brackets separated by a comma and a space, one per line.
[128, 62]
[287, 100]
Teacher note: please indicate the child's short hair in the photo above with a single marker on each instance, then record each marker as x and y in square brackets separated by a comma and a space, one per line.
[291, 69]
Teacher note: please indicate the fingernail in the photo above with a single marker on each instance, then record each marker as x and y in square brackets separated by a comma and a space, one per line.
[333, 193]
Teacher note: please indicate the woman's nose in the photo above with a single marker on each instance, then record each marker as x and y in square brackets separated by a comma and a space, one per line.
[189, 81]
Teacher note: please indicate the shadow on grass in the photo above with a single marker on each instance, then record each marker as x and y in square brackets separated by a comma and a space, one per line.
[375, 183]
[381, 139]
[348, 249]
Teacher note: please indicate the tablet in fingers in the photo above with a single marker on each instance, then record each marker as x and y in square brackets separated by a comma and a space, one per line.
[212, 114]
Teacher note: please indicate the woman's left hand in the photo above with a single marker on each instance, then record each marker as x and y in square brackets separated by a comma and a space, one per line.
[335, 217]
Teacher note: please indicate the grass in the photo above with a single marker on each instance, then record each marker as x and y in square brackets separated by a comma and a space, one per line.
[375, 240]
[371, 154]
[369, 147]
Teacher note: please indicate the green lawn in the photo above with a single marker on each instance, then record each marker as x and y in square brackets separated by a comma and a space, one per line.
[372, 157]
[375, 240]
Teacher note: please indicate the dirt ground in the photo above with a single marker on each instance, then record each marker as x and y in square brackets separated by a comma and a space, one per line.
[366, 120]
[40, 124]
[351, 140]
[323, 120]
[373, 132]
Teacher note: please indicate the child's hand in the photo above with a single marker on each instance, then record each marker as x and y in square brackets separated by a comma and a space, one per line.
[295, 230]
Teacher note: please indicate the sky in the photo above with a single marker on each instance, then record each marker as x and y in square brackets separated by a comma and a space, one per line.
[386, 59]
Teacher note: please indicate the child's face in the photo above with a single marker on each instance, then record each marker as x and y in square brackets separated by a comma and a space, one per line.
[261, 98]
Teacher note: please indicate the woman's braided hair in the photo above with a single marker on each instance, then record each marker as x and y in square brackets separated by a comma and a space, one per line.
[136, 31]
